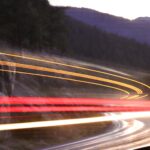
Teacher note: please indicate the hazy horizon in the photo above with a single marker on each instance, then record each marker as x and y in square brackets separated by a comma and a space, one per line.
[122, 8]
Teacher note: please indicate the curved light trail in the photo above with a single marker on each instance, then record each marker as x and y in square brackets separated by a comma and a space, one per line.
[23, 109]
[71, 101]
[124, 116]
[79, 67]
[39, 68]
[68, 79]
[139, 93]
[72, 66]
[133, 97]
[140, 97]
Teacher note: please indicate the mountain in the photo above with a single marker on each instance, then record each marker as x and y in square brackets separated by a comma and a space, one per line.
[85, 41]
[138, 29]
[37, 26]
[31, 24]
[142, 20]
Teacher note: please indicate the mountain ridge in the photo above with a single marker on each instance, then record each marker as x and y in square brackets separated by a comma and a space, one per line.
[133, 29]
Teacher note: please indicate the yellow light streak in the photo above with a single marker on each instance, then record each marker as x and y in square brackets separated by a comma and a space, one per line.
[39, 68]
[72, 121]
[124, 97]
[40, 124]
[142, 96]
[133, 97]
[72, 66]
[68, 79]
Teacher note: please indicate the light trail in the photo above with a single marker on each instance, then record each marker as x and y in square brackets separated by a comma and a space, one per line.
[72, 66]
[31, 109]
[39, 68]
[67, 79]
[143, 96]
[70, 108]
[71, 101]
[124, 97]
[133, 97]
[40, 124]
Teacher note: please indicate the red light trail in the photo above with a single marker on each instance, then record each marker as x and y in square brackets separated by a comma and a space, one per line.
[72, 109]
[70, 101]
[35, 104]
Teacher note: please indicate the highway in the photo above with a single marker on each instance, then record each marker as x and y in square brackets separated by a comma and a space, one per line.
[79, 73]
[124, 135]
[91, 88]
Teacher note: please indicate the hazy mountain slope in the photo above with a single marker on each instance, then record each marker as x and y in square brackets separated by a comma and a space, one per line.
[31, 24]
[42, 27]
[138, 29]
[90, 42]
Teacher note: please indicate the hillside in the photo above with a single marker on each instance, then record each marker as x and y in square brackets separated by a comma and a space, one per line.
[37, 26]
[90, 42]
[137, 29]
[31, 24]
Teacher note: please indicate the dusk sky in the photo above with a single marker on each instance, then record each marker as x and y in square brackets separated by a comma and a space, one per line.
[130, 9]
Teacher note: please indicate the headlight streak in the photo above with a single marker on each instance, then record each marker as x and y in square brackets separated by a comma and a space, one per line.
[123, 116]
[133, 97]
[124, 97]
[39, 68]
[68, 79]
[72, 66]
[74, 74]
[141, 97]
[135, 129]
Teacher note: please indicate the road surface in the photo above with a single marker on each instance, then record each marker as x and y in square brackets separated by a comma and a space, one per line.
[124, 135]
[77, 79]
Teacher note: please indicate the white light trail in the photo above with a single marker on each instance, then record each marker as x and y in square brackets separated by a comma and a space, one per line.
[27, 125]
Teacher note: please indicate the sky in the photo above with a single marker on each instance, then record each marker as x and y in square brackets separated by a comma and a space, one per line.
[130, 9]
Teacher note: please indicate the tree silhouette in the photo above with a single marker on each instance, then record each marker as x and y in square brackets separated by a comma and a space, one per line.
[31, 24]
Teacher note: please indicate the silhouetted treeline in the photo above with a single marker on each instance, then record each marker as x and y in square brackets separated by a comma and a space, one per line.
[137, 29]
[31, 24]
[36, 25]
[88, 41]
